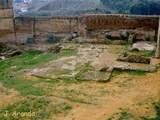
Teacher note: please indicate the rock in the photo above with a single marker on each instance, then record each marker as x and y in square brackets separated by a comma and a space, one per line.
[118, 42]
[79, 40]
[106, 69]
[108, 35]
[93, 47]
[55, 49]
[2, 57]
[143, 45]
[124, 35]
[74, 35]
[125, 57]
[131, 38]
[152, 68]
[93, 75]
[133, 49]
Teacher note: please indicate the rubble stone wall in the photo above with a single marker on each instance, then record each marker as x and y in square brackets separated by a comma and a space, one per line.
[54, 24]
[88, 25]
[6, 17]
[144, 27]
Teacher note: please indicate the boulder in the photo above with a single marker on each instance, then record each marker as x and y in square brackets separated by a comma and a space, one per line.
[125, 57]
[131, 38]
[143, 45]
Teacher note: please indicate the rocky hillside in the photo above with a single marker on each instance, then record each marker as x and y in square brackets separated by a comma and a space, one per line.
[145, 7]
[77, 7]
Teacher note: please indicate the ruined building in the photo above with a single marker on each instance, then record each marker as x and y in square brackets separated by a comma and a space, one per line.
[6, 16]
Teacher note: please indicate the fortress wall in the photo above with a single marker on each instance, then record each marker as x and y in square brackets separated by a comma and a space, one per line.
[88, 25]
[24, 24]
[55, 25]
[143, 27]
[6, 21]
[102, 22]
[6, 18]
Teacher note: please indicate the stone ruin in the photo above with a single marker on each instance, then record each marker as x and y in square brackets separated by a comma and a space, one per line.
[106, 29]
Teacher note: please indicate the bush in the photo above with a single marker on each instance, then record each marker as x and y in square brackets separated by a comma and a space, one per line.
[52, 38]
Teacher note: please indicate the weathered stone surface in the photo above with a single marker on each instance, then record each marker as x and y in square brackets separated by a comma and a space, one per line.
[124, 35]
[55, 49]
[96, 76]
[131, 38]
[133, 58]
[142, 45]
[100, 61]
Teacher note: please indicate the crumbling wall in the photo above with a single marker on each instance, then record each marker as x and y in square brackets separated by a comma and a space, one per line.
[6, 17]
[143, 26]
[101, 22]
[87, 26]
[46, 24]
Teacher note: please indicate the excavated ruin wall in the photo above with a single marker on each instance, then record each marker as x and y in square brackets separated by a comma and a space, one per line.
[144, 27]
[102, 22]
[87, 26]
[47, 25]
[6, 15]
[6, 22]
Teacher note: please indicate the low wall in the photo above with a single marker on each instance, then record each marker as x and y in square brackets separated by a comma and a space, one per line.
[144, 27]
[84, 25]
[46, 24]
[6, 21]
[114, 22]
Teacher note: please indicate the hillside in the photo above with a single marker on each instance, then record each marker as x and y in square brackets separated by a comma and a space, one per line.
[78, 7]
[69, 7]
[133, 6]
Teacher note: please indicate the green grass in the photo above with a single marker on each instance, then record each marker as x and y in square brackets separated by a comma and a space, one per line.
[84, 68]
[41, 108]
[144, 53]
[123, 115]
[31, 104]
[157, 117]
[10, 76]
[132, 73]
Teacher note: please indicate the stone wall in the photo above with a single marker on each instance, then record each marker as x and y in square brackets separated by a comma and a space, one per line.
[144, 27]
[6, 17]
[46, 24]
[102, 22]
[87, 26]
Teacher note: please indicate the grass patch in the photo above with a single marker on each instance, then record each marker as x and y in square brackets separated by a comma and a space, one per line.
[83, 69]
[157, 117]
[136, 73]
[144, 53]
[132, 73]
[10, 68]
[31, 104]
[123, 115]
[40, 107]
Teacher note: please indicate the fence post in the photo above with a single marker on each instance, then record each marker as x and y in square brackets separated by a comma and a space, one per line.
[158, 41]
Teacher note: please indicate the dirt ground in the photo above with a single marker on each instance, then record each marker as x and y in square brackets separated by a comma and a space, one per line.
[132, 94]
[126, 96]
